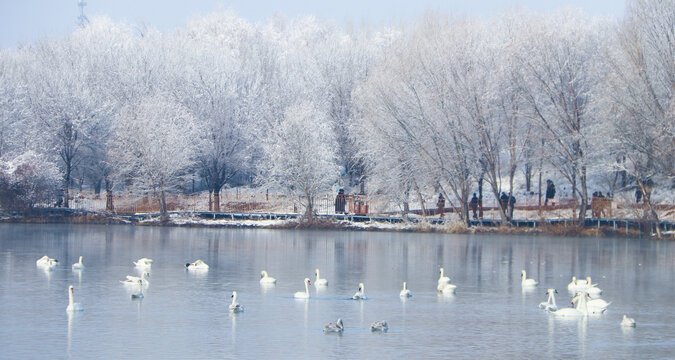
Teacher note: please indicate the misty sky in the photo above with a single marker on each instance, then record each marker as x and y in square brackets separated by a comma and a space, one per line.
[24, 21]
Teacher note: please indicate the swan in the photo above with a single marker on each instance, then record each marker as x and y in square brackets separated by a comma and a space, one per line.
[579, 310]
[549, 305]
[197, 265]
[595, 306]
[235, 307]
[336, 327]
[319, 281]
[47, 263]
[627, 322]
[266, 279]
[405, 292]
[72, 306]
[379, 326]
[135, 280]
[143, 263]
[78, 265]
[525, 282]
[139, 294]
[447, 289]
[442, 280]
[361, 294]
[592, 289]
[576, 284]
[305, 294]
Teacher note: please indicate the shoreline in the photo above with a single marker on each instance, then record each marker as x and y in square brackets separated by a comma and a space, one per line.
[335, 224]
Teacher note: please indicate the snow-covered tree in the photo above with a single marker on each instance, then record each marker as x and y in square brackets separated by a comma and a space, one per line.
[299, 155]
[153, 146]
[26, 180]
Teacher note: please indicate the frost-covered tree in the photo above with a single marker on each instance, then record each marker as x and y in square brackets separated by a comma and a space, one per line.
[299, 155]
[153, 146]
[26, 180]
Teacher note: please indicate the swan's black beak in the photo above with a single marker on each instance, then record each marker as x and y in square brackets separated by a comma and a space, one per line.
[556, 291]
[187, 264]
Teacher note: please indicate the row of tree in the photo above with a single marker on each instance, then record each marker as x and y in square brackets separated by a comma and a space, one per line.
[300, 105]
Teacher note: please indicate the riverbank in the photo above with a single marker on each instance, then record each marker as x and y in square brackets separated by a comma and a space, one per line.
[346, 223]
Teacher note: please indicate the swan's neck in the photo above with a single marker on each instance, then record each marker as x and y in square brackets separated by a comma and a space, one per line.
[306, 287]
[234, 299]
[70, 298]
[405, 286]
[317, 274]
[80, 260]
[441, 273]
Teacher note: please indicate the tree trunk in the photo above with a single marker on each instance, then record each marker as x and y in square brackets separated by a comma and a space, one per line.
[163, 213]
[97, 189]
[216, 200]
[584, 196]
[109, 206]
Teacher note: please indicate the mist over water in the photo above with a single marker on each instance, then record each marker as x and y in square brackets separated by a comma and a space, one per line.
[185, 314]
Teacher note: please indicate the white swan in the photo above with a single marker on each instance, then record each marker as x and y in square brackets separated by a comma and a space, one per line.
[303, 294]
[361, 293]
[139, 294]
[592, 289]
[47, 263]
[579, 310]
[78, 265]
[525, 282]
[318, 281]
[143, 263]
[405, 292]
[235, 307]
[72, 306]
[627, 322]
[379, 326]
[266, 279]
[595, 306]
[135, 280]
[576, 284]
[197, 265]
[447, 289]
[442, 280]
[336, 327]
[549, 304]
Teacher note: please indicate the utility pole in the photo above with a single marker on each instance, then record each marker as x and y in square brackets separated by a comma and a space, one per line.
[82, 20]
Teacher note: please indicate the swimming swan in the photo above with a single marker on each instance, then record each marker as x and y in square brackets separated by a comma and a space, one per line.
[72, 306]
[139, 294]
[592, 289]
[627, 322]
[235, 307]
[442, 280]
[78, 265]
[361, 293]
[197, 265]
[525, 282]
[319, 281]
[266, 279]
[143, 263]
[576, 284]
[405, 292]
[336, 327]
[549, 304]
[301, 294]
[379, 326]
[135, 280]
[579, 310]
[595, 306]
[47, 263]
[447, 289]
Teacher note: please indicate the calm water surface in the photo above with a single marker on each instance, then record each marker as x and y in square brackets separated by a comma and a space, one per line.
[185, 315]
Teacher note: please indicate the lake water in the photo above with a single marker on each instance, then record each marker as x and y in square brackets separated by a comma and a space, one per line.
[185, 315]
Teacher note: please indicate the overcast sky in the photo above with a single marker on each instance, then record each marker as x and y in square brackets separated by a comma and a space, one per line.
[24, 21]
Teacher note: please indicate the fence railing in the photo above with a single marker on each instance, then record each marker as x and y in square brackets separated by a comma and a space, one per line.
[525, 208]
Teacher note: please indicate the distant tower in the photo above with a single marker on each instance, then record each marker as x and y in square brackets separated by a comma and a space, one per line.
[82, 20]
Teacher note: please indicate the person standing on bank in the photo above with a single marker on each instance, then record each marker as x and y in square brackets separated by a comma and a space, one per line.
[473, 205]
[340, 202]
[440, 205]
[512, 205]
[550, 192]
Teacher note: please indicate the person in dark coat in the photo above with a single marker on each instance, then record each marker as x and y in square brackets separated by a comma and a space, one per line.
[340, 202]
[473, 205]
[550, 192]
[638, 195]
[504, 202]
[512, 205]
[440, 205]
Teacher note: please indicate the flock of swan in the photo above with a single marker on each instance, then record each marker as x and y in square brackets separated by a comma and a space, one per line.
[586, 300]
